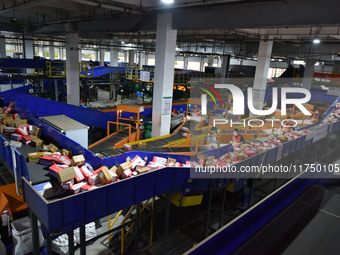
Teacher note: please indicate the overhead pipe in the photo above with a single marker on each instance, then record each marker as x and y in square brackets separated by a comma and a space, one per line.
[108, 6]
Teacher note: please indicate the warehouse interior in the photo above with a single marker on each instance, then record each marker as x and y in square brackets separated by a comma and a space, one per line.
[169, 127]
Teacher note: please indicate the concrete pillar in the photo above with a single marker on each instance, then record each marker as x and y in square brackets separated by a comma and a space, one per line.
[225, 67]
[40, 51]
[308, 75]
[261, 73]
[28, 47]
[211, 61]
[114, 52]
[72, 68]
[141, 60]
[185, 59]
[61, 52]
[219, 62]
[51, 50]
[3, 47]
[101, 57]
[97, 55]
[126, 57]
[164, 75]
[131, 57]
[201, 64]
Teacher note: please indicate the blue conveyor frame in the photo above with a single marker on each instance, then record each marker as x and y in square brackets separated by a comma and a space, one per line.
[63, 215]
[229, 238]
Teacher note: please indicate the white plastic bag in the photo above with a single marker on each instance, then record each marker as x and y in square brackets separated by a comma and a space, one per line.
[22, 236]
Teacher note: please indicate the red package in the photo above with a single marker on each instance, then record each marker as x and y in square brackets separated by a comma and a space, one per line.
[54, 169]
[68, 185]
[79, 174]
[61, 159]
[87, 187]
[86, 172]
[23, 130]
[76, 188]
[127, 173]
[94, 179]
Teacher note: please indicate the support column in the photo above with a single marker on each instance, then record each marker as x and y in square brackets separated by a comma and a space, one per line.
[225, 66]
[164, 75]
[201, 64]
[262, 68]
[142, 60]
[126, 57]
[61, 52]
[101, 57]
[308, 75]
[114, 53]
[72, 68]
[40, 51]
[131, 57]
[336, 67]
[211, 61]
[51, 50]
[3, 47]
[185, 59]
[28, 47]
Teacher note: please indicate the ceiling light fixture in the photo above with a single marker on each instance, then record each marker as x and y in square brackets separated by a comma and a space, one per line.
[167, 1]
[316, 41]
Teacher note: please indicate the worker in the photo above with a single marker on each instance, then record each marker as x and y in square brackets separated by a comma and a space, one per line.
[236, 137]
[316, 116]
[196, 110]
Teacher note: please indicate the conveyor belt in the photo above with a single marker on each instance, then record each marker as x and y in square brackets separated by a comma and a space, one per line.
[310, 225]
[105, 147]
[108, 143]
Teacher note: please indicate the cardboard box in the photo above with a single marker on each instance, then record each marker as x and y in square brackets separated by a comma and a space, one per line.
[37, 131]
[44, 147]
[11, 123]
[141, 145]
[66, 174]
[122, 167]
[3, 116]
[52, 147]
[36, 142]
[78, 160]
[35, 156]
[2, 128]
[20, 122]
[67, 153]
[33, 137]
[142, 170]
[7, 120]
[171, 161]
[104, 175]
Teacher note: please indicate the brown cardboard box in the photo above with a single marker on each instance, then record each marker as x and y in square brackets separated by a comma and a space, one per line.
[66, 174]
[36, 142]
[122, 167]
[104, 175]
[51, 147]
[35, 156]
[78, 160]
[10, 123]
[20, 122]
[142, 170]
[7, 120]
[44, 147]
[171, 160]
[3, 116]
[33, 137]
[67, 153]
[37, 131]
[114, 169]
[2, 128]
[142, 145]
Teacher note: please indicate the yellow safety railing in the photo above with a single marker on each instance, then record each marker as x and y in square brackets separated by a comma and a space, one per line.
[125, 234]
[56, 69]
[113, 222]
